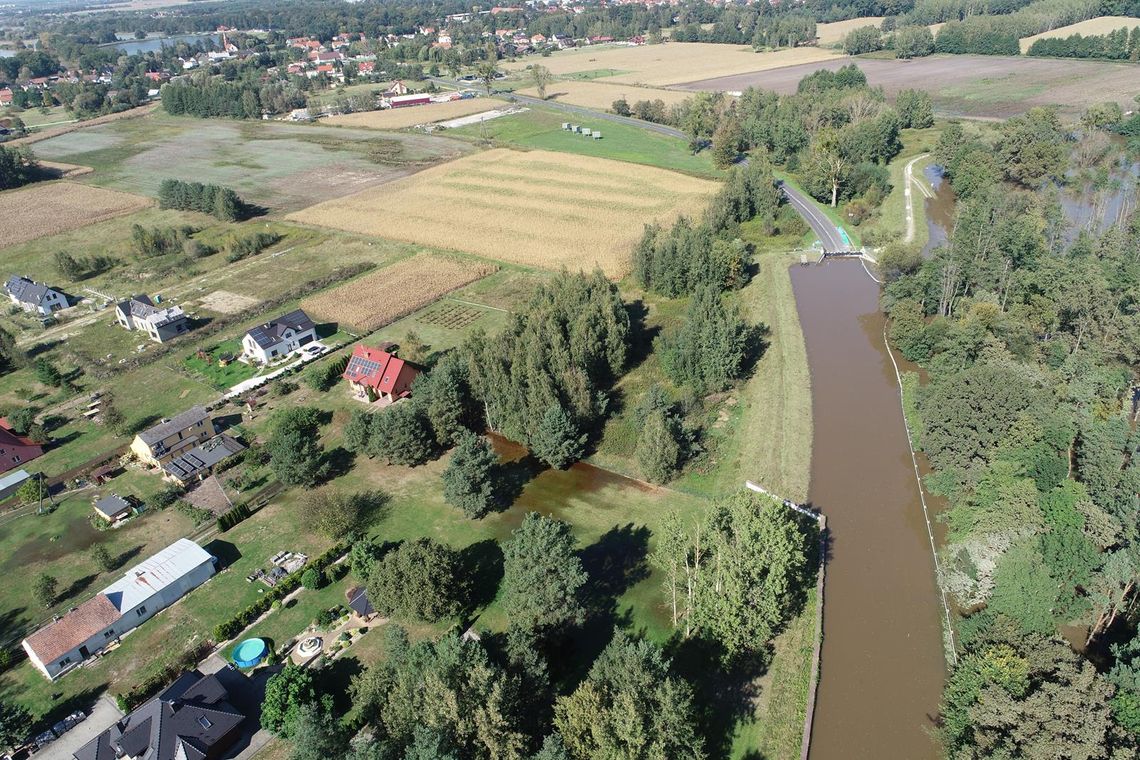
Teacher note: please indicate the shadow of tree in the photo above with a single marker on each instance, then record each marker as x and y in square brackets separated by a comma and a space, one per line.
[482, 567]
[126, 556]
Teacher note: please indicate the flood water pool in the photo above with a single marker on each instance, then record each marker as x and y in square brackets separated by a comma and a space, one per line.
[882, 666]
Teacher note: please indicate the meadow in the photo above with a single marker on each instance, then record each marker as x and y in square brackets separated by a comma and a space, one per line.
[49, 208]
[279, 166]
[1092, 26]
[401, 118]
[542, 128]
[601, 93]
[674, 62]
[533, 208]
[383, 296]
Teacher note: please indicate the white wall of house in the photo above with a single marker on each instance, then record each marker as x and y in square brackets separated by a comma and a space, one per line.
[290, 341]
[130, 620]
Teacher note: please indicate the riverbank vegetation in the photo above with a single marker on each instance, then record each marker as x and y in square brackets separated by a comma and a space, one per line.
[1027, 327]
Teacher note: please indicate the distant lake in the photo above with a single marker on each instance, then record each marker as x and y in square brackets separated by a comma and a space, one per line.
[133, 47]
[7, 53]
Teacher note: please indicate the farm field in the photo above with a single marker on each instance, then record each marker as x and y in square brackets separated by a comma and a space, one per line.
[49, 208]
[674, 62]
[969, 85]
[601, 93]
[533, 208]
[401, 118]
[542, 128]
[1093, 26]
[280, 166]
[833, 33]
[406, 286]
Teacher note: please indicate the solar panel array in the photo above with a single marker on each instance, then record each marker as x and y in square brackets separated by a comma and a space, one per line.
[360, 366]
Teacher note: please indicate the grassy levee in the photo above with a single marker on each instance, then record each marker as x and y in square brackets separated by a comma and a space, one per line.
[542, 128]
[890, 220]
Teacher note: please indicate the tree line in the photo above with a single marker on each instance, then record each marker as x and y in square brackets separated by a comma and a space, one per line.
[1030, 337]
[17, 167]
[1118, 45]
[216, 200]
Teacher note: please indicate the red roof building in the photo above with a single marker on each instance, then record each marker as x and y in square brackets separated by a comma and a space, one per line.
[15, 450]
[376, 375]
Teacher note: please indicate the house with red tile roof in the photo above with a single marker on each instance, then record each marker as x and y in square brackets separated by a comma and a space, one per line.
[145, 589]
[15, 450]
[377, 375]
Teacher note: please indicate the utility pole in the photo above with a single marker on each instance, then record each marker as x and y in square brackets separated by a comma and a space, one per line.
[41, 491]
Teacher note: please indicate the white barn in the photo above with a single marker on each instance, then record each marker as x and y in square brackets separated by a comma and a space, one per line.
[148, 587]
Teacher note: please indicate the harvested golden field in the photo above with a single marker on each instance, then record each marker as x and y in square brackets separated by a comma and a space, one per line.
[601, 94]
[1101, 25]
[401, 118]
[534, 208]
[674, 62]
[833, 34]
[385, 295]
[52, 207]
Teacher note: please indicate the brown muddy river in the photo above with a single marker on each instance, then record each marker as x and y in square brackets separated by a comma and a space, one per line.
[882, 664]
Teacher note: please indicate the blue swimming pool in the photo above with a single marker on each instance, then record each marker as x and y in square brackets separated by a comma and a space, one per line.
[249, 653]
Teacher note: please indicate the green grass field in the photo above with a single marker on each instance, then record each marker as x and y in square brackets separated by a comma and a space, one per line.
[542, 128]
[891, 219]
[281, 166]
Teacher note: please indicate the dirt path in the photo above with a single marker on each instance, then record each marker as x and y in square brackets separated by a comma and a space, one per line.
[909, 181]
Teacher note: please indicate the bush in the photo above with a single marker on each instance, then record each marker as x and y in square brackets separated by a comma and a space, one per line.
[324, 375]
[250, 245]
[312, 579]
[233, 517]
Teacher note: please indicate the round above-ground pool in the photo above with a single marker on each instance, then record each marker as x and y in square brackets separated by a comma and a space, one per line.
[249, 653]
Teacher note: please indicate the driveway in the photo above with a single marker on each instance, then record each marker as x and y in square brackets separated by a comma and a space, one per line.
[102, 717]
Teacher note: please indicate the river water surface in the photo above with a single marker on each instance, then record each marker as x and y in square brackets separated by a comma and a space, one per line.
[882, 665]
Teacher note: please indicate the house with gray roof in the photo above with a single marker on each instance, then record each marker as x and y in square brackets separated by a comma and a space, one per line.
[170, 438]
[161, 323]
[199, 462]
[192, 719]
[278, 338]
[150, 586]
[34, 297]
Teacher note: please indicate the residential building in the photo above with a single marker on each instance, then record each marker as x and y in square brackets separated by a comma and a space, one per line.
[278, 338]
[377, 375]
[192, 719]
[161, 323]
[198, 463]
[112, 508]
[36, 297]
[15, 449]
[168, 439]
[144, 590]
[12, 482]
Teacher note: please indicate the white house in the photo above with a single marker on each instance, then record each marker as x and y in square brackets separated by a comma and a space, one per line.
[161, 323]
[36, 297]
[146, 588]
[278, 338]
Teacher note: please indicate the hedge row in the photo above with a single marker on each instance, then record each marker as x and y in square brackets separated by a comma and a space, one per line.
[227, 629]
[158, 681]
[233, 517]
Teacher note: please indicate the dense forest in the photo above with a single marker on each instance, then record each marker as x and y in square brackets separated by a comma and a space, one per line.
[1119, 45]
[1030, 336]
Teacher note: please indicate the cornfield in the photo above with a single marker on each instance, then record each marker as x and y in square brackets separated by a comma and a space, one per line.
[53, 207]
[385, 295]
[536, 208]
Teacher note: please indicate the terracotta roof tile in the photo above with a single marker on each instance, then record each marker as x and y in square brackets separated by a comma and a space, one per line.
[73, 629]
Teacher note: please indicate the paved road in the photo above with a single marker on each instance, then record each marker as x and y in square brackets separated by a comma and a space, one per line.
[823, 227]
[908, 182]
